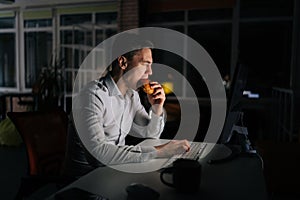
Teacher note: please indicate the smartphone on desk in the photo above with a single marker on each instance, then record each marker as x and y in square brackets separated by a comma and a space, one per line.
[77, 193]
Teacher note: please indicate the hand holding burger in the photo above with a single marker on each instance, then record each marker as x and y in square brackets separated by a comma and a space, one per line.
[147, 87]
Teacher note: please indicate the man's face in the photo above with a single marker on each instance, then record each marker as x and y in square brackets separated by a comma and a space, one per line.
[138, 68]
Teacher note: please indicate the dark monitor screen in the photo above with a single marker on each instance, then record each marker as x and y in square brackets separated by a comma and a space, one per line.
[235, 96]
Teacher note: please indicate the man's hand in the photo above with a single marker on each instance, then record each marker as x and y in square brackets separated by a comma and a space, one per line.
[172, 148]
[157, 99]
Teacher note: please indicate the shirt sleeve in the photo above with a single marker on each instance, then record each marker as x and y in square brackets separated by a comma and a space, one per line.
[88, 109]
[147, 125]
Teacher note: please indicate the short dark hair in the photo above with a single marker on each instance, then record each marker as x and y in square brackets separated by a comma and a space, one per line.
[136, 43]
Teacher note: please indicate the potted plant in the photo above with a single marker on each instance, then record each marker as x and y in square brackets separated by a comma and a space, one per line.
[48, 88]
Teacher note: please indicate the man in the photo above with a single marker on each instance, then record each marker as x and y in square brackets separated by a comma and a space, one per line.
[107, 110]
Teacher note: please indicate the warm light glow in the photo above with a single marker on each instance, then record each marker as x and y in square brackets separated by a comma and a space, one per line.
[168, 87]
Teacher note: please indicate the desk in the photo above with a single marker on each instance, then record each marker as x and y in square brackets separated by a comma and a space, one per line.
[238, 179]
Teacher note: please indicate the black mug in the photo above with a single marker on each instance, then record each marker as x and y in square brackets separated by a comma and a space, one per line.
[186, 175]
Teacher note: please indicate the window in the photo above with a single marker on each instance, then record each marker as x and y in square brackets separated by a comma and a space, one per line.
[216, 40]
[7, 60]
[212, 29]
[34, 38]
[7, 22]
[266, 48]
[7, 50]
[265, 43]
[38, 54]
[38, 43]
[80, 30]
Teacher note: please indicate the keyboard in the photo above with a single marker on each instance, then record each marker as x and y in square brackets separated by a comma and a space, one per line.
[194, 153]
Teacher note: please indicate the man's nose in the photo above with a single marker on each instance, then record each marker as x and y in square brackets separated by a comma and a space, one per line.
[149, 70]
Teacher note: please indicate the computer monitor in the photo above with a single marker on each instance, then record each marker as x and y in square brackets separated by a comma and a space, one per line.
[235, 96]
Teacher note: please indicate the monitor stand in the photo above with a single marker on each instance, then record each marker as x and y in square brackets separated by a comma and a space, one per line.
[241, 145]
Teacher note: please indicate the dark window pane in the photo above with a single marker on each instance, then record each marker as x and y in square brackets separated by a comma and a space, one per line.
[38, 23]
[212, 14]
[175, 28]
[38, 52]
[265, 47]
[66, 20]
[106, 18]
[101, 35]
[266, 8]
[76, 37]
[7, 22]
[165, 17]
[216, 40]
[7, 60]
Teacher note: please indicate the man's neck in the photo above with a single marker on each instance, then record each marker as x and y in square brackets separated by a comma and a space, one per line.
[121, 84]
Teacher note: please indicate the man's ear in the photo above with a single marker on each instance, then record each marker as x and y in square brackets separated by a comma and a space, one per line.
[122, 61]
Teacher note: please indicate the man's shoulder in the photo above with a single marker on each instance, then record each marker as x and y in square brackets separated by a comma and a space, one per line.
[95, 87]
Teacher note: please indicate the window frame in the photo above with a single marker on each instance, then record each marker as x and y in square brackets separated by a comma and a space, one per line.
[16, 36]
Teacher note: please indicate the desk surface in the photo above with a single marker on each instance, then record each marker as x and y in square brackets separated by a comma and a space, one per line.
[241, 178]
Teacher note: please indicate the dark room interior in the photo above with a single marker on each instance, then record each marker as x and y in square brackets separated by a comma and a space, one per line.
[43, 44]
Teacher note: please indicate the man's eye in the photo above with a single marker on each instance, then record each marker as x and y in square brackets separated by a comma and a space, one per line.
[146, 64]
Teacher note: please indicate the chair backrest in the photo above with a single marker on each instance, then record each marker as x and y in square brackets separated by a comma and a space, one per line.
[44, 134]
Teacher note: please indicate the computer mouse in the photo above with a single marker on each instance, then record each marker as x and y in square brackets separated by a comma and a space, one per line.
[137, 191]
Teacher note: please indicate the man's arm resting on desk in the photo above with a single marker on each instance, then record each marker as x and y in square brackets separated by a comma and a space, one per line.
[172, 148]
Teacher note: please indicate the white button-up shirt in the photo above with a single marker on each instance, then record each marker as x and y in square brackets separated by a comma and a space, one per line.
[103, 117]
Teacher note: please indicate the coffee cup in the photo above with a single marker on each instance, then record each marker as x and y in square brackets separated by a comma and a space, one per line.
[186, 175]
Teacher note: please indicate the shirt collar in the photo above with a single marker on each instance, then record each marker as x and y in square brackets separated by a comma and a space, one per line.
[113, 88]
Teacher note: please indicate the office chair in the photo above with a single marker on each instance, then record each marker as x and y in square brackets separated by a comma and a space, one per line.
[44, 135]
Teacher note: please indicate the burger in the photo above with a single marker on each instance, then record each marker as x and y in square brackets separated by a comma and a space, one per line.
[147, 87]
